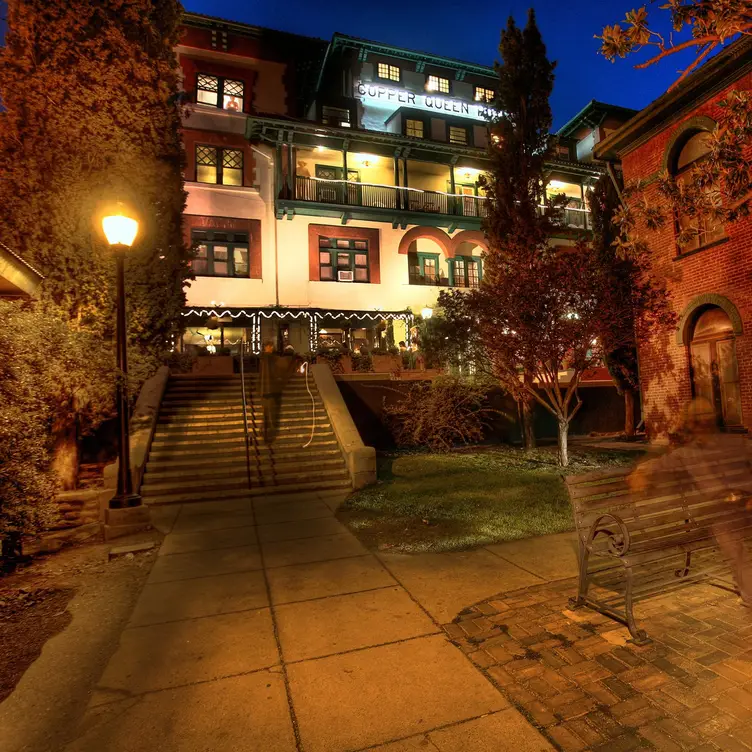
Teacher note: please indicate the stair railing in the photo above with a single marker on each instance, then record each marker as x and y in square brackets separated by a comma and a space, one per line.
[245, 416]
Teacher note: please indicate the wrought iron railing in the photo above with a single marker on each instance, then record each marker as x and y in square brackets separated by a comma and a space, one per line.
[387, 197]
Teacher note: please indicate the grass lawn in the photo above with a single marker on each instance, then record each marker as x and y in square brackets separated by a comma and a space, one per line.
[469, 498]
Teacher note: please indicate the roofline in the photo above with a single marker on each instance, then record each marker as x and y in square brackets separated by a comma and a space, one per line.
[202, 20]
[418, 55]
[394, 140]
[729, 65]
[593, 105]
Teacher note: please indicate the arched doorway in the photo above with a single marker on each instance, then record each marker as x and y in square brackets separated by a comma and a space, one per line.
[715, 373]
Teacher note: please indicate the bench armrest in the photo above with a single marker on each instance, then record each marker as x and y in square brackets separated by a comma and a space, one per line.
[618, 540]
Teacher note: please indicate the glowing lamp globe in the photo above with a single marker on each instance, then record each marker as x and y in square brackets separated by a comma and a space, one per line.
[426, 313]
[120, 230]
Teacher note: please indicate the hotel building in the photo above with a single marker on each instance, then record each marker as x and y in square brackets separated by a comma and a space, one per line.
[333, 185]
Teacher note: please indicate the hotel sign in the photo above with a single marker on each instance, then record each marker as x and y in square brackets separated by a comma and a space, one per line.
[387, 96]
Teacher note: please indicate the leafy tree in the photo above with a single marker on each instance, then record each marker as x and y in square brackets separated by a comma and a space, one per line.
[520, 144]
[630, 288]
[91, 116]
[52, 377]
[719, 188]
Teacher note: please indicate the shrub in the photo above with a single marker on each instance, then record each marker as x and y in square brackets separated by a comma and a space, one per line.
[181, 362]
[55, 382]
[441, 414]
[331, 354]
[362, 362]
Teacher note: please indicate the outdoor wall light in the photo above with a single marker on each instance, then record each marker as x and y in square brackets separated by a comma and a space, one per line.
[427, 312]
[120, 230]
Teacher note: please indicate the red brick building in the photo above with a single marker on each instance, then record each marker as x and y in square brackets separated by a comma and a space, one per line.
[709, 354]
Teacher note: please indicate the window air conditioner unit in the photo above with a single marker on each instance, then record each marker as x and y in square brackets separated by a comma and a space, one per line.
[345, 276]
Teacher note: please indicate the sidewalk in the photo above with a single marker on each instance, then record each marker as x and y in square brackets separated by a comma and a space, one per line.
[273, 629]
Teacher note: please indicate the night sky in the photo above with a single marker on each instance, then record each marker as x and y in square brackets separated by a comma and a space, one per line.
[470, 31]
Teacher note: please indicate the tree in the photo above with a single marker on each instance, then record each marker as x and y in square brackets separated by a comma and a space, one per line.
[519, 146]
[629, 287]
[91, 115]
[52, 376]
[719, 187]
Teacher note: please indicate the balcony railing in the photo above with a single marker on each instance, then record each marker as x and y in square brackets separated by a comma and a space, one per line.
[387, 197]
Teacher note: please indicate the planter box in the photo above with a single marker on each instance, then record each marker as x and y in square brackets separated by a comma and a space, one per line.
[213, 365]
[387, 363]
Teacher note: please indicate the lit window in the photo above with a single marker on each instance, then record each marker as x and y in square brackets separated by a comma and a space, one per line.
[227, 93]
[465, 271]
[215, 165]
[335, 116]
[423, 269]
[457, 135]
[343, 260]
[414, 128]
[436, 83]
[390, 72]
[484, 95]
[220, 254]
[694, 151]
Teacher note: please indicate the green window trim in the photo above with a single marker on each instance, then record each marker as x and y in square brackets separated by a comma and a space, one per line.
[417, 266]
[466, 271]
[221, 254]
[343, 255]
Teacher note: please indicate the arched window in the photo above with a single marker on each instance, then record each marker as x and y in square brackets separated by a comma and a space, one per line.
[715, 373]
[694, 150]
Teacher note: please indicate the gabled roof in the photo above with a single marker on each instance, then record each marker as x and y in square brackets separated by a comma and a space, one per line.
[714, 76]
[592, 114]
[249, 30]
[366, 45]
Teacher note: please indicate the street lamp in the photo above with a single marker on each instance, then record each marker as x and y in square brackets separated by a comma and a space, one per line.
[120, 232]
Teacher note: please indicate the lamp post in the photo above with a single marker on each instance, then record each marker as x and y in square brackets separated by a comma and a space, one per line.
[120, 232]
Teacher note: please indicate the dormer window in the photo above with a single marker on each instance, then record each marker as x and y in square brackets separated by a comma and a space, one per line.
[225, 93]
[335, 116]
[436, 83]
[389, 72]
[484, 95]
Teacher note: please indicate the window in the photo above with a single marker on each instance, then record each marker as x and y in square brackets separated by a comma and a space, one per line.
[335, 116]
[343, 260]
[220, 254]
[484, 95]
[226, 93]
[423, 269]
[390, 72]
[414, 128]
[465, 271]
[215, 165]
[694, 151]
[457, 135]
[436, 83]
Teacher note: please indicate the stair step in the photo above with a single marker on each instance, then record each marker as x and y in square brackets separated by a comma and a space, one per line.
[283, 432]
[220, 447]
[187, 428]
[159, 487]
[233, 454]
[222, 470]
[234, 418]
[229, 494]
[232, 403]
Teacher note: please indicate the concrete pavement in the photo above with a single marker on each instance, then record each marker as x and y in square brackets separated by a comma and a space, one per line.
[269, 627]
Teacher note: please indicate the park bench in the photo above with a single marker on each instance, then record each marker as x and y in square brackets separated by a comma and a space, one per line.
[638, 544]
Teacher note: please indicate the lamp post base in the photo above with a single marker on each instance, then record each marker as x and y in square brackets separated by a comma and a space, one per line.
[125, 501]
[126, 520]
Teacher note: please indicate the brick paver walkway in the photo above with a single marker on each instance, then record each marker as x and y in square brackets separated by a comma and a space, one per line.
[575, 676]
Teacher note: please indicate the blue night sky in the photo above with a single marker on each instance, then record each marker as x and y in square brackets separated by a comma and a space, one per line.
[470, 31]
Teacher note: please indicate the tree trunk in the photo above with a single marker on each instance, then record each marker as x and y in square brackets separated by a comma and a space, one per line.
[528, 427]
[527, 407]
[629, 406]
[65, 457]
[563, 439]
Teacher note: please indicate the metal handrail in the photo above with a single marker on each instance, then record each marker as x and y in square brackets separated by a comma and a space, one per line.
[245, 417]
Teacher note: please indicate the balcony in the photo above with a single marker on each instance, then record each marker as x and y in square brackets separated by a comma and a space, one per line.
[389, 197]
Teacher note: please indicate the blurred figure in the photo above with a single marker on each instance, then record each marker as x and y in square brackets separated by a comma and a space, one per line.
[275, 370]
[696, 463]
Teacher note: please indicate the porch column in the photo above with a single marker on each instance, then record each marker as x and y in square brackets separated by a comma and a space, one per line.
[278, 172]
[344, 173]
[453, 190]
[290, 172]
[398, 196]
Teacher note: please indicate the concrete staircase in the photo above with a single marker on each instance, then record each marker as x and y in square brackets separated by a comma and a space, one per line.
[198, 452]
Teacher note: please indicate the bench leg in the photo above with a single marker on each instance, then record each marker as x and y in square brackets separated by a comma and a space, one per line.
[584, 582]
[683, 572]
[639, 636]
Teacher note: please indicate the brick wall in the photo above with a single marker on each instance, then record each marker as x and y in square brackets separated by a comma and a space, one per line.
[724, 269]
